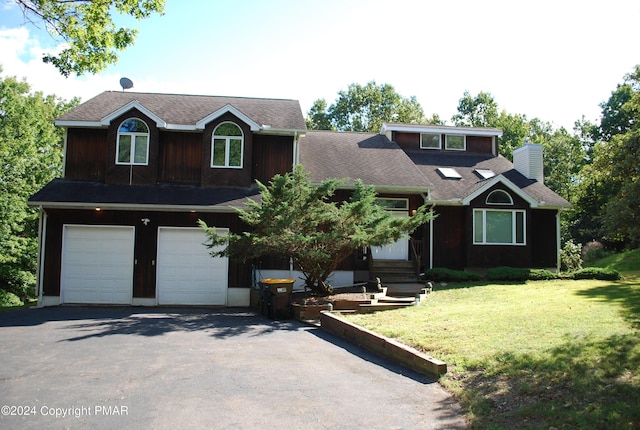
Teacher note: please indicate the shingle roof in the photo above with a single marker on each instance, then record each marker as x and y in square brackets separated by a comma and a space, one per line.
[370, 157]
[189, 109]
[446, 189]
[61, 192]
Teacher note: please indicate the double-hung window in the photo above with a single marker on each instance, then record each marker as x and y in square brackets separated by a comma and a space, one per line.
[133, 143]
[227, 146]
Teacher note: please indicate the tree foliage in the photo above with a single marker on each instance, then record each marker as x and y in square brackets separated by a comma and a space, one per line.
[478, 111]
[318, 117]
[365, 108]
[298, 220]
[88, 29]
[607, 194]
[30, 156]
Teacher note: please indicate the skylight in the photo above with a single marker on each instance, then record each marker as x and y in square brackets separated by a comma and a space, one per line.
[485, 173]
[449, 172]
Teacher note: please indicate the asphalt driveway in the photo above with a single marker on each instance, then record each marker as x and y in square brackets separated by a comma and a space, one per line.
[103, 368]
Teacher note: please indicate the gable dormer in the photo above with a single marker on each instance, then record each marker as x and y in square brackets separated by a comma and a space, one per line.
[132, 148]
[442, 138]
[227, 143]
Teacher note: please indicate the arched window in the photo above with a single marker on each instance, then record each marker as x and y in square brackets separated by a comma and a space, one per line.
[133, 143]
[227, 146]
[499, 197]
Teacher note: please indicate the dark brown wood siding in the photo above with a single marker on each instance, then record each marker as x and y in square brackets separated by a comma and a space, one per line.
[407, 141]
[544, 240]
[480, 144]
[180, 157]
[146, 238]
[475, 144]
[271, 155]
[86, 154]
[449, 239]
[126, 174]
[226, 177]
[499, 255]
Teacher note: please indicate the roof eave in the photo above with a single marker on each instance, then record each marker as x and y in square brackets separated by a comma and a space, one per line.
[533, 203]
[426, 128]
[282, 131]
[128, 207]
[389, 189]
[556, 207]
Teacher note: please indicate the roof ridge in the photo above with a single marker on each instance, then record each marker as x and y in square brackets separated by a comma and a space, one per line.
[200, 95]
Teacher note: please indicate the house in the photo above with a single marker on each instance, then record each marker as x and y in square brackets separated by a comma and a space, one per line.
[140, 169]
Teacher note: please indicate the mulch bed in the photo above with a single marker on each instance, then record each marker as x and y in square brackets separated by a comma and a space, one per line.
[308, 299]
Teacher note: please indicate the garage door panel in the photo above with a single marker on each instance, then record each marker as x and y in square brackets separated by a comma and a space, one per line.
[186, 272]
[97, 264]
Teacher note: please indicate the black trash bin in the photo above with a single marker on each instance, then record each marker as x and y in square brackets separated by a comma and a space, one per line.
[275, 297]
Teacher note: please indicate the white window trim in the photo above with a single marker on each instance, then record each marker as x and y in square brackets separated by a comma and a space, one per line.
[227, 148]
[404, 209]
[446, 142]
[483, 213]
[499, 204]
[132, 150]
[431, 147]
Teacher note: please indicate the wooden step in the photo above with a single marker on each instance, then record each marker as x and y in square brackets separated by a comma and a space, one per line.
[389, 299]
[375, 307]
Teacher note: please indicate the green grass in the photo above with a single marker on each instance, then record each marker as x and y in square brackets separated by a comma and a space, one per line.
[622, 262]
[541, 354]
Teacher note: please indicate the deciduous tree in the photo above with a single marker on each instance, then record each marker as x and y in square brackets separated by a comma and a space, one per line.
[365, 108]
[606, 204]
[30, 156]
[318, 117]
[88, 29]
[478, 111]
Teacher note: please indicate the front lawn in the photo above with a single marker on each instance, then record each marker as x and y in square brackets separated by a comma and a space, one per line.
[541, 354]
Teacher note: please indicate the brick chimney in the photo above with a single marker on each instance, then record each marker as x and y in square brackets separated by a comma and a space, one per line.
[528, 160]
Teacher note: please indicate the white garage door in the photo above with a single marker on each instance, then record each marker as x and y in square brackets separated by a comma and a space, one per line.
[97, 264]
[187, 274]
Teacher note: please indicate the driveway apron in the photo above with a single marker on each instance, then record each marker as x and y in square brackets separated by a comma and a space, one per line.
[167, 368]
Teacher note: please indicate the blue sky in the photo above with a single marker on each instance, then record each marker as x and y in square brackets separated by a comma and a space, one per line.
[555, 60]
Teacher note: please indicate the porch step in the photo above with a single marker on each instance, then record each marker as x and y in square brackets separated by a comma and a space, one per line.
[397, 300]
[375, 307]
[393, 271]
[408, 289]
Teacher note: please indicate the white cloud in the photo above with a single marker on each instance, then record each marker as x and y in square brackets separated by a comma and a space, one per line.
[21, 56]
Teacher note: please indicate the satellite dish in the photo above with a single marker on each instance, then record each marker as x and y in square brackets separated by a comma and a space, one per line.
[126, 83]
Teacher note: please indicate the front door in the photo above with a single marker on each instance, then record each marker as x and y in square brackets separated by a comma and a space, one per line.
[398, 250]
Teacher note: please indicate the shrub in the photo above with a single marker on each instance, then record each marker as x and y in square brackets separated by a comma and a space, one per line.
[596, 273]
[449, 275]
[9, 299]
[571, 257]
[504, 273]
[17, 281]
[519, 274]
[593, 251]
[541, 275]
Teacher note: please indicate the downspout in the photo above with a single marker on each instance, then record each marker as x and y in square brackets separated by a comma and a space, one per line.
[295, 149]
[42, 234]
[558, 238]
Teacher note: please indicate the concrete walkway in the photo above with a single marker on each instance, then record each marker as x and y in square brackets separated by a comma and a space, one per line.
[133, 368]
